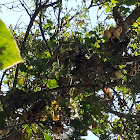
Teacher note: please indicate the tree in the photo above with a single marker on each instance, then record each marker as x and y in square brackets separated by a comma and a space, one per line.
[74, 78]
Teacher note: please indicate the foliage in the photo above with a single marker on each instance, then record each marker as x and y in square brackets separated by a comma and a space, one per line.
[74, 78]
[9, 53]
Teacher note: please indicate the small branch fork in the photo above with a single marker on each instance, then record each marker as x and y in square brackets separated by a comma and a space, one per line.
[23, 5]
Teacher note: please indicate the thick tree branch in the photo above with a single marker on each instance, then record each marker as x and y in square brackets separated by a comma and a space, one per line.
[125, 24]
[117, 16]
[130, 20]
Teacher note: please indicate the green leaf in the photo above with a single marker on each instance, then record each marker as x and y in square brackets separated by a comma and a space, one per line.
[107, 9]
[133, 46]
[114, 1]
[52, 83]
[122, 66]
[138, 107]
[9, 52]
[105, 4]
[27, 129]
[46, 136]
[136, 53]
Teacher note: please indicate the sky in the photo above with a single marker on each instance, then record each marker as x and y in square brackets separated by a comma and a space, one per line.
[19, 18]
[16, 18]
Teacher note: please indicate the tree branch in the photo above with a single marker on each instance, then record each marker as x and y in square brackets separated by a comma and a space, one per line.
[23, 5]
[117, 16]
[42, 32]
[2, 78]
[32, 20]
[119, 114]
[130, 20]
[77, 13]
[59, 12]
[27, 33]
[20, 124]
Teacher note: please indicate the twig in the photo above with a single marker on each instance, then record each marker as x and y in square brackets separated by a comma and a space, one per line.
[42, 32]
[20, 124]
[25, 8]
[119, 114]
[67, 87]
[13, 126]
[8, 2]
[91, 4]
[36, 3]
[2, 79]
[120, 133]
[100, 14]
[77, 13]
[17, 22]
[59, 12]
[16, 76]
